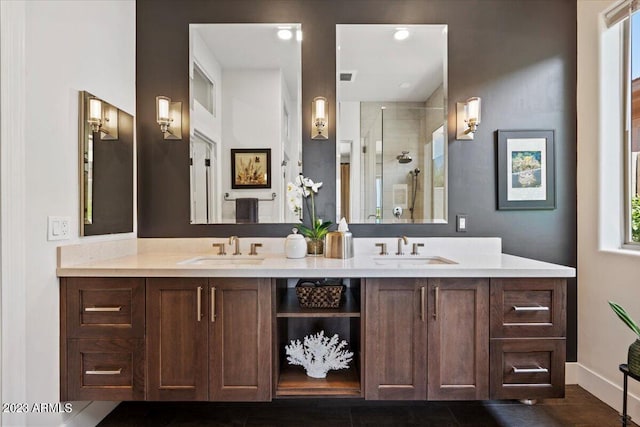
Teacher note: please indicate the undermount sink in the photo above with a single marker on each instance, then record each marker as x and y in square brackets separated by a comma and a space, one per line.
[412, 260]
[223, 260]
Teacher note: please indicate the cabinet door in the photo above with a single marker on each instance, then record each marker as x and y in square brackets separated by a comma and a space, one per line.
[396, 339]
[177, 333]
[240, 339]
[458, 339]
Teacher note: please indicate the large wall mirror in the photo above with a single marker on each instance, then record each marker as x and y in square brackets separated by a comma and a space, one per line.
[106, 167]
[245, 136]
[392, 123]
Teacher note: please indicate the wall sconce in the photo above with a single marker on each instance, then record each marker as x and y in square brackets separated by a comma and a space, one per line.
[468, 118]
[103, 118]
[319, 118]
[169, 117]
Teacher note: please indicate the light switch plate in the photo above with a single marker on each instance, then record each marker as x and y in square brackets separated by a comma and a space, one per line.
[58, 227]
[461, 223]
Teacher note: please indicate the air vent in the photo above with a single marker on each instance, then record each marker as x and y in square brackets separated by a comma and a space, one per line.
[348, 76]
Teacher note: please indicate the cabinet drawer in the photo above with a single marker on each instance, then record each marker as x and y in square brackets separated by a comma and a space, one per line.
[105, 307]
[528, 308]
[105, 369]
[527, 368]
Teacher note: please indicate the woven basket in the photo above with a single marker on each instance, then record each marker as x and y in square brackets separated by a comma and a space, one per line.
[323, 296]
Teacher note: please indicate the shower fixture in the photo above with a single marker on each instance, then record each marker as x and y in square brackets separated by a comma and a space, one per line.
[404, 157]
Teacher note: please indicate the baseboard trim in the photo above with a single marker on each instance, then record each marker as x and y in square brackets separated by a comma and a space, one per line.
[607, 391]
[90, 415]
[571, 370]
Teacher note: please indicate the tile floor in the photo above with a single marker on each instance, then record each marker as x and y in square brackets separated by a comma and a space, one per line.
[578, 408]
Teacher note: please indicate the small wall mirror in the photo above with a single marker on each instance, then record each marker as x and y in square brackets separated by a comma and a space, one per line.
[392, 123]
[106, 167]
[245, 136]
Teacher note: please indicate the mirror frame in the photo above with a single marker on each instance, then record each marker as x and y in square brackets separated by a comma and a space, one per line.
[106, 188]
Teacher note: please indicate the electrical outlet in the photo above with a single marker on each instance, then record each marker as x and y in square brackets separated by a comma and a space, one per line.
[461, 223]
[58, 228]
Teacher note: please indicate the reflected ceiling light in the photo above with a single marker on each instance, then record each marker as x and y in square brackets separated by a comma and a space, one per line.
[401, 34]
[299, 35]
[103, 118]
[405, 85]
[468, 118]
[319, 118]
[169, 117]
[284, 33]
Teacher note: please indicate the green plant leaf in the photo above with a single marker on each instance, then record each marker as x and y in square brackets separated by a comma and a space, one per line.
[624, 316]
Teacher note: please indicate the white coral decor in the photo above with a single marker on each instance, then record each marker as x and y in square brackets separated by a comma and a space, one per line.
[319, 354]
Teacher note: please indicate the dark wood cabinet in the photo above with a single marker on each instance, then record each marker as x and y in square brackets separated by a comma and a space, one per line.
[177, 339]
[528, 338]
[223, 339]
[240, 339]
[102, 353]
[396, 339]
[458, 351]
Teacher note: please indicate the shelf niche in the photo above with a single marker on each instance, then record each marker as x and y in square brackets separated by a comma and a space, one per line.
[294, 322]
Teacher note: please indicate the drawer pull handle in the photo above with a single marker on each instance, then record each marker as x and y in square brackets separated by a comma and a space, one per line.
[102, 309]
[199, 303]
[100, 372]
[538, 370]
[534, 308]
[213, 304]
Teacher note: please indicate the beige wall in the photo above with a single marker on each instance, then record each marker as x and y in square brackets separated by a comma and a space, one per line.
[604, 272]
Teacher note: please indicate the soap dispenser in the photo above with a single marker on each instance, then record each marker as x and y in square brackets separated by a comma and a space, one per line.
[295, 246]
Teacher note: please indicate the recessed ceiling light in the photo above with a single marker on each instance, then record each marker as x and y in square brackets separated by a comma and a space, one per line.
[405, 85]
[401, 34]
[285, 33]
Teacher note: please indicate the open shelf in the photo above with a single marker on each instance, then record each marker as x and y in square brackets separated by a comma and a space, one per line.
[289, 307]
[293, 381]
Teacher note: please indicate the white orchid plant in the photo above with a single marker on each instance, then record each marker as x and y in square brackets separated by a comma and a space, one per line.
[305, 187]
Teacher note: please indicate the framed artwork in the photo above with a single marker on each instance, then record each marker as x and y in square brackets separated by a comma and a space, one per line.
[250, 168]
[526, 169]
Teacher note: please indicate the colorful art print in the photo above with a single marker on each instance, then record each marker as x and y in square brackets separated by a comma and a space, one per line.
[250, 168]
[526, 175]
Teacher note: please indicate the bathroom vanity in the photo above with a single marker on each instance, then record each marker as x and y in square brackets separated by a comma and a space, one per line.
[167, 319]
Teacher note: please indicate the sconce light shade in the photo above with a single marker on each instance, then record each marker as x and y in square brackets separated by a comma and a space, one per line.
[169, 117]
[319, 118]
[468, 118]
[103, 118]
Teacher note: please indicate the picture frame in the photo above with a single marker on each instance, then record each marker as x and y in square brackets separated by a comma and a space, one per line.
[526, 169]
[250, 168]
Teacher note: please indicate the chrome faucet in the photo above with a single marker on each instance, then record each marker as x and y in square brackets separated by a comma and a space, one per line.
[400, 240]
[235, 239]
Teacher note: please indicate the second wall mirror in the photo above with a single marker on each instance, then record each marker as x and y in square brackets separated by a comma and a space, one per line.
[245, 88]
[392, 123]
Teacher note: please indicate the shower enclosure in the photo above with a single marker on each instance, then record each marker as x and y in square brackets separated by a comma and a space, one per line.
[398, 167]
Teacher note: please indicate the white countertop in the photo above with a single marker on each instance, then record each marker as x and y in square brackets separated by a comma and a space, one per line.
[479, 257]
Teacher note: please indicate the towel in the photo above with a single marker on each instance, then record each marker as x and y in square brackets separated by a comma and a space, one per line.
[246, 210]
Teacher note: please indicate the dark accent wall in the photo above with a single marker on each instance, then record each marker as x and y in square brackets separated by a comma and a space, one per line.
[518, 55]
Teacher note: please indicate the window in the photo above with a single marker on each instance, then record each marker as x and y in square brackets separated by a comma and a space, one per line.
[624, 16]
[204, 90]
[632, 172]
